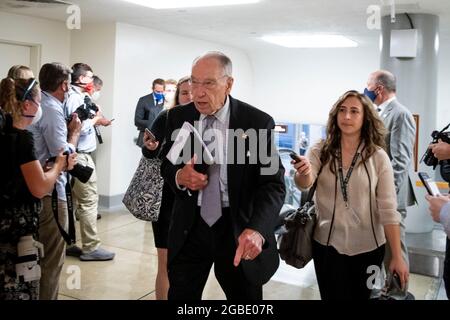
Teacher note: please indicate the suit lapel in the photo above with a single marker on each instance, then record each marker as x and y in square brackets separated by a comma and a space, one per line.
[191, 115]
[388, 109]
[235, 172]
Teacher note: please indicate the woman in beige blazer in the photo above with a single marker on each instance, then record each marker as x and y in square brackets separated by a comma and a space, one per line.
[355, 200]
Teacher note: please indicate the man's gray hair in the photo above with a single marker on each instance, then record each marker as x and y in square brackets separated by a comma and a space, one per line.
[387, 79]
[225, 62]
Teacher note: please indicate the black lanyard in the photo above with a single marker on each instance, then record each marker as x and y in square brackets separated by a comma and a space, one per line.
[70, 237]
[344, 183]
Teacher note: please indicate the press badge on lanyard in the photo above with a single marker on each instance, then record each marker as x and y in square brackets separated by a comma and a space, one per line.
[344, 183]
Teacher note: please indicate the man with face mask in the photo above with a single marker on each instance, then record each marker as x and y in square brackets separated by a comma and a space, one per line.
[98, 85]
[85, 194]
[148, 108]
[52, 134]
[400, 138]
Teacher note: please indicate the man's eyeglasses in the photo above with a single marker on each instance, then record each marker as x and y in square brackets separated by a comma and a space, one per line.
[28, 90]
[207, 84]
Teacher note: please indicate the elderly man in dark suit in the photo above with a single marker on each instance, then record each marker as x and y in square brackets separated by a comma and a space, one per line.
[148, 108]
[224, 214]
[400, 138]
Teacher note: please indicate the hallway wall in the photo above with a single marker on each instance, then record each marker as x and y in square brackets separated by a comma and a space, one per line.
[51, 37]
[290, 84]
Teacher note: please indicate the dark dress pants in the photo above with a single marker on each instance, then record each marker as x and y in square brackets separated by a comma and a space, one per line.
[342, 277]
[205, 246]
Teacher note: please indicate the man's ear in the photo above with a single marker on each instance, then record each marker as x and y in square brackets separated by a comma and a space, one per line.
[230, 82]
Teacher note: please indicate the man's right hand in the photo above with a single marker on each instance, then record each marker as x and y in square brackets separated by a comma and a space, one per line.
[74, 125]
[441, 150]
[190, 178]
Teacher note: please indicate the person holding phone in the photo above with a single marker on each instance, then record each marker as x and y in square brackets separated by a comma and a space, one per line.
[440, 210]
[355, 200]
[153, 140]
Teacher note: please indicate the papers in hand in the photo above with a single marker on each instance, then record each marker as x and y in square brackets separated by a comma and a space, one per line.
[184, 133]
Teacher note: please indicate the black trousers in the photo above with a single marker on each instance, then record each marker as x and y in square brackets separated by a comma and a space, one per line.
[205, 246]
[342, 277]
[447, 269]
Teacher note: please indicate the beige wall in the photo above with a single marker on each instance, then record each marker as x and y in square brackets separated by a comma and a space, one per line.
[142, 55]
[95, 44]
[52, 37]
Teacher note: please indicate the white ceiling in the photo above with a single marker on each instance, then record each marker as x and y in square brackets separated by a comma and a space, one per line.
[241, 26]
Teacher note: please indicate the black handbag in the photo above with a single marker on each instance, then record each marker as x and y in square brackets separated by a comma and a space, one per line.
[393, 289]
[295, 240]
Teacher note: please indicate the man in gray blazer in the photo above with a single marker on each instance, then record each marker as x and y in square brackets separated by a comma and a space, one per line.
[148, 108]
[400, 138]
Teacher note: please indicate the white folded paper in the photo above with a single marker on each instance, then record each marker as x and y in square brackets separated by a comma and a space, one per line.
[184, 133]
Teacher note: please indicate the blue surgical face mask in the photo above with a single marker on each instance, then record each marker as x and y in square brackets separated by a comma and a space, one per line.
[159, 97]
[370, 94]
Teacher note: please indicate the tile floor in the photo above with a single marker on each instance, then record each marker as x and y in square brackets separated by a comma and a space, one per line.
[131, 275]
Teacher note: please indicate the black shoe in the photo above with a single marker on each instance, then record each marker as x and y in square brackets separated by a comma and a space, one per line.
[73, 251]
[99, 216]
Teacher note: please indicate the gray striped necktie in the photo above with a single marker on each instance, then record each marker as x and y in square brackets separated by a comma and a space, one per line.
[211, 209]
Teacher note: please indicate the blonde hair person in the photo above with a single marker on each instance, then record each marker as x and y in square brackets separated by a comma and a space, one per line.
[161, 227]
[183, 94]
[169, 93]
[20, 72]
[23, 181]
[358, 218]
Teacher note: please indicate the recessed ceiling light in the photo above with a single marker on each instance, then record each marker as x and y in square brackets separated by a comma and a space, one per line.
[311, 41]
[172, 4]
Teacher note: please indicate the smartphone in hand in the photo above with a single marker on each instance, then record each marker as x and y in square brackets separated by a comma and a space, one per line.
[295, 157]
[150, 134]
[429, 184]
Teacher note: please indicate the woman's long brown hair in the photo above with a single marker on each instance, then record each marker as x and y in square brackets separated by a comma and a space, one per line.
[372, 132]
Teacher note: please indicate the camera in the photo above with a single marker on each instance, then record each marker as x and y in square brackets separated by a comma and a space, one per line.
[28, 253]
[82, 173]
[87, 110]
[430, 160]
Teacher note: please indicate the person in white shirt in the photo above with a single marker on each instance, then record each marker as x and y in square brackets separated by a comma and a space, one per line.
[85, 194]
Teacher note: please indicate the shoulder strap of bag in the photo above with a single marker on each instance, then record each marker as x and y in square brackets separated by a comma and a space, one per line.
[314, 186]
